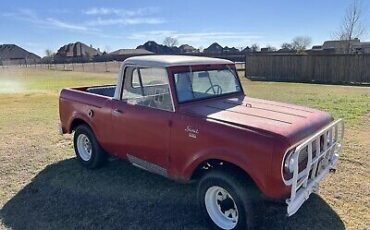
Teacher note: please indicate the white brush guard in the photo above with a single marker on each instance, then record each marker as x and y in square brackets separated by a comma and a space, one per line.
[321, 158]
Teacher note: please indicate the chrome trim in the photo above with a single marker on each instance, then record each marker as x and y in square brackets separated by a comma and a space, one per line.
[146, 165]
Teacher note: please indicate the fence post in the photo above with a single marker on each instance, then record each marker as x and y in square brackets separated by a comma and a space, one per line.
[106, 67]
[245, 65]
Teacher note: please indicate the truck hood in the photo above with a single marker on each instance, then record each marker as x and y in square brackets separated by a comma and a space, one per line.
[290, 121]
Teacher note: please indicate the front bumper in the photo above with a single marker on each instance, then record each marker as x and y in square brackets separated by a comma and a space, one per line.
[319, 163]
[60, 129]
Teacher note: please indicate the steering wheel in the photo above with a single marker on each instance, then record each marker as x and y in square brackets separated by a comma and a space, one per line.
[216, 89]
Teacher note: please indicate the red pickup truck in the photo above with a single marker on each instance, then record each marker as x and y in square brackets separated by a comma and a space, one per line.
[188, 118]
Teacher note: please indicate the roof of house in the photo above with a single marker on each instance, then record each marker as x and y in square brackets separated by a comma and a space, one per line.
[214, 47]
[186, 47]
[77, 49]
[11, 51]
[230, 49]
[316, 47]
[339, 43]
[173, 60]
[130, 51]
[154, 47]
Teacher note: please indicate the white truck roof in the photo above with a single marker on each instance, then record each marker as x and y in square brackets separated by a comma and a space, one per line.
[173, 60]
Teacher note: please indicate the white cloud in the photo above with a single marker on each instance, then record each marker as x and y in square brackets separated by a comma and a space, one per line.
[120, 12]
[118, 17]
[124, 21]
[113, 16]
[64, 25]
[31, 16]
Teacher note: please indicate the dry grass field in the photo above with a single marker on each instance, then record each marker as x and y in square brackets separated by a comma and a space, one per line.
[43, 187]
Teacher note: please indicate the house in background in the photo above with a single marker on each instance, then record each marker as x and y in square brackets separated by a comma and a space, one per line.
[122, 54]
[125, 52]
[76, 52]
[156, 48]
[266, 50]
[286, 51]
[11, 54]
[230, 50]
[365, 48]
[215, 48]
[341, 47]
[188, 49]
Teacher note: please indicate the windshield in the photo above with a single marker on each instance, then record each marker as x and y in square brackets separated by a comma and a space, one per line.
[205, 84]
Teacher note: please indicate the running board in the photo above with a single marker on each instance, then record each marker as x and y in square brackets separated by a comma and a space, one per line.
[146, 165]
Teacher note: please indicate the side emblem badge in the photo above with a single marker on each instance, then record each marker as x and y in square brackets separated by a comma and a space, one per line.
[192, 132]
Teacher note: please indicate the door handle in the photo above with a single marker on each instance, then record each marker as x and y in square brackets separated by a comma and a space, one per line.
[117, 111]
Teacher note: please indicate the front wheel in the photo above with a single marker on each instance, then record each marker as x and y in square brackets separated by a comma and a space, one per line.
[226, 201]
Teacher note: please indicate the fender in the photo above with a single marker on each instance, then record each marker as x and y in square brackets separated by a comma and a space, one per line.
[234, 157]
[80, 116]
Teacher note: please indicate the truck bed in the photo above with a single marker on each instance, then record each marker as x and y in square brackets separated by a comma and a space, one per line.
[83, 99]
[107, 91]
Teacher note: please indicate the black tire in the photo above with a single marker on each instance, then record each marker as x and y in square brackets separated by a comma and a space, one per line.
[242, 193]
[98, 155]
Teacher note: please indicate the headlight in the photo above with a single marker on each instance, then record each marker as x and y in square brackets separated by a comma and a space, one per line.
[289, 162]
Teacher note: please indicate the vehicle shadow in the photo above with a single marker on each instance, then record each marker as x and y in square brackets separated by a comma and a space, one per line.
[120, 196]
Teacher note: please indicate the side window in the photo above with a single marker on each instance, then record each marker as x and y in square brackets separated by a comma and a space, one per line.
[131, 84]
[135, 79]
[147, 87]
[153, 76]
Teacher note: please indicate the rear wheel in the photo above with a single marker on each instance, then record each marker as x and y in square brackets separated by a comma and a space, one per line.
[88, 151]
[226, 201]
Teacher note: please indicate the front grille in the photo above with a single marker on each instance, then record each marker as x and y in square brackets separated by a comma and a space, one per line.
[321, 151]
[317, 150]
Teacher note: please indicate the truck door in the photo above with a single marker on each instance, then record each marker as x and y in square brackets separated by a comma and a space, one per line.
[142, 118]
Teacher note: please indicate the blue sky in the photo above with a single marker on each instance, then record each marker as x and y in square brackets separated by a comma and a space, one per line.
[114, 24]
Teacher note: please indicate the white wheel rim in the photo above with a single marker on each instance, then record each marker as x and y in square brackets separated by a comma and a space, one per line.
[221, 207]
[84, 147]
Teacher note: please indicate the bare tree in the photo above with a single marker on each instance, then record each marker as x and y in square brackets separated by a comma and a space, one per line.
[170, 41]
[300, 43]
[107, 49]
[49, 57]
[352, 25]
[287, 45]
[48, 52]
[255, 48]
